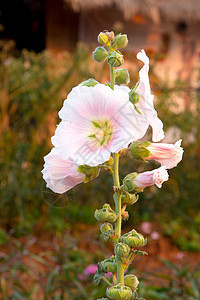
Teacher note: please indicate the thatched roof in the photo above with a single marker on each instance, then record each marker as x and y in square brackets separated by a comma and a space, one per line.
[174, 10]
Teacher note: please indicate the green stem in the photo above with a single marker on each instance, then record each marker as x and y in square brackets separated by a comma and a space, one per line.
[108, 282]
[117, 198]
[118, 209]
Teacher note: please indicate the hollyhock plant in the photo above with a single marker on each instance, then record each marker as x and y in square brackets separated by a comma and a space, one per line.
[99, 124]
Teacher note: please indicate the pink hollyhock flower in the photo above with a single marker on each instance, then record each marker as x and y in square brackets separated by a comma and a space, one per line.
[60, 174]
[146, 227]
[145, 104]
[90, 270]
[155, 235]
[96, 121]
[169, 155]
[149, 178]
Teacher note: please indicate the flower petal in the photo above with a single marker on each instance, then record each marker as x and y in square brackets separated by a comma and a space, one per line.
[145, 105]
[60, 175]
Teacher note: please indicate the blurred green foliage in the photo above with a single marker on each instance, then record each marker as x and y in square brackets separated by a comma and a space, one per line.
[32, 89]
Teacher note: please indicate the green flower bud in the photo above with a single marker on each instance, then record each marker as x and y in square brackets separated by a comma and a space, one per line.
[131, 281]
[133, 239]
[122, 76]
[100, 54]
[139, 151]
[105, 228]
[122, 250]
[90, 82]
[120, 41]
[115, 59]
[133, 97]
[103, 38]
[128, 184]
[105, 214]
[120, 292]
[90, 172]
[109, 265]
[129, 198]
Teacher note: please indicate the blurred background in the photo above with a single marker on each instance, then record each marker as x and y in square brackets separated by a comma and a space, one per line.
[50, 244]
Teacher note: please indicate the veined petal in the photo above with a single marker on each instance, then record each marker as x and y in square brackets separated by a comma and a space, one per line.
[145, 104]
[60, 175]
[169, 155]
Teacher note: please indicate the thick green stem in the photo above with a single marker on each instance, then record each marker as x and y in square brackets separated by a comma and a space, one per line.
[117, 198]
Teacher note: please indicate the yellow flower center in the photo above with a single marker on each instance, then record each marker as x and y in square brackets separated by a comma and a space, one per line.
[101, 132]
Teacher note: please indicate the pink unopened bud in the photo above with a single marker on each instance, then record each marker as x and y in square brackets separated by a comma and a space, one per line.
[157, 176]
[169, 155]
[90, 270]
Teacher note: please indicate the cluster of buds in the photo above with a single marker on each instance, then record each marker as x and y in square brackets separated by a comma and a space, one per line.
[133, 239]
[105, 214]
[112, 54]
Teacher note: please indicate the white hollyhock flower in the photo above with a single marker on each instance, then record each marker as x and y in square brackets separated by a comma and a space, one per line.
[149, 178]
[169, 155]
[96, 121]
[145, 104]
[60, 175]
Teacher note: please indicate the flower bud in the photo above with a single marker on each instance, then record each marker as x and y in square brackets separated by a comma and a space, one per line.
[110, 35]
[122, 250]
[105, 228]
[90, 172]
[105, 214]
[115, 59]
[103, 38]
[109, 265]
[134, 239]
[133, 97]
[128, 184]
[120, 41]
[139, 151]
[90, 82]
[129, 198]
[122, 76]
[100, 54]
[131, 281]
[120, 292]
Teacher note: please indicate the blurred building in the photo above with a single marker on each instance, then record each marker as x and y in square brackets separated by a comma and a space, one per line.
[168, 26]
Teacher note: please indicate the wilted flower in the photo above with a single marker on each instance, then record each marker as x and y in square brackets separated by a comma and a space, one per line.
[169, 155]
[149, 178]
[96, 121]
[60, 174]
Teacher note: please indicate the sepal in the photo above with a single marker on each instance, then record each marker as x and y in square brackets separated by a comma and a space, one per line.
[129, 198]
[139, 151]
[131, 281]
[100, 54]
[90, 82]
[90, 172]
[120, 41]
[133, 239]
[122, 250]
[105, 214]
[109, 265]
[128, 184]
[119, 292]
[115, 59]
[122, 76]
